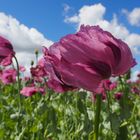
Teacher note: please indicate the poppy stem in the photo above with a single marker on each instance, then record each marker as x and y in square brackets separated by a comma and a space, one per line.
[109, 108]
[97, 115]
[123, 131]
[36, 54]
[18, 81]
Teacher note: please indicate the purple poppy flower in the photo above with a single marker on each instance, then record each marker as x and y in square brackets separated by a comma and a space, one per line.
[31, 90]
[6, 52]
[86, 58]
[118, 95]
[8, 76]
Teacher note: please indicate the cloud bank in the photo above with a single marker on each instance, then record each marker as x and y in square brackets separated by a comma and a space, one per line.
[25, 40]
[94, 15]
[133, 16]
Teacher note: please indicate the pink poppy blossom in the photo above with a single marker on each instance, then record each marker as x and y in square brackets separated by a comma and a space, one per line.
[93, 96]
[39, 70]
[28, 91]
[118, 95]
[8, 76]
[86, 58]
[59, 86]
[138, 75]
[0, 72]
[55, 82]
[129, 81]
[26, 78]
[113, 86]
[38, 79]
[41, 90]
[108, 85]
[6, 52]
[41, 62]
[137, 81]
[135, 90]
[31, 90]
[22, 68]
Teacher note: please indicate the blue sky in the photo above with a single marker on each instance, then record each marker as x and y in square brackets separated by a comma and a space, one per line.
[52, 18]
[48, 16]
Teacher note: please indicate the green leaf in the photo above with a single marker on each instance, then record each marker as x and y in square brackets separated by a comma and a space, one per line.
[115, 122]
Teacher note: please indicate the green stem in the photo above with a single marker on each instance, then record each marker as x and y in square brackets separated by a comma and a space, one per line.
[123, 131]
[97, 115]
[18, 81]
[109, 109]
[76, 123]
[36, 59]
[133, 111]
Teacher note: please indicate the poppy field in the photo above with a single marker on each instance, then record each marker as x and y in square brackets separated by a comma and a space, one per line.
[80, 89]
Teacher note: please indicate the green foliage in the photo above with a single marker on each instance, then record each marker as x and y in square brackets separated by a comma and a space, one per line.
[67, 116]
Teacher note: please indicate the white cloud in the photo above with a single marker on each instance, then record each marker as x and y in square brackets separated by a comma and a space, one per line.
[133, 16]
[24, 39]
[73, 19]
[66, 8]
[88, 14]
[114, 27]
[134, 76]
[94, 15]
[134, 40]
